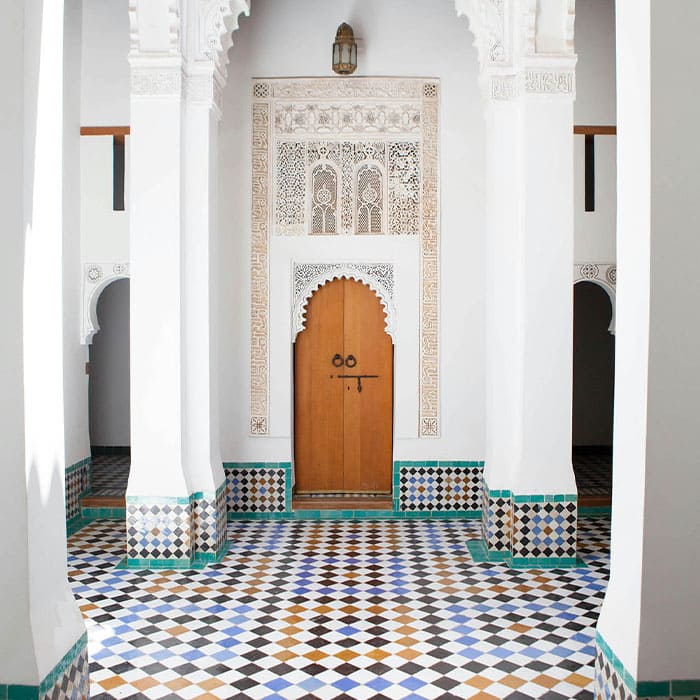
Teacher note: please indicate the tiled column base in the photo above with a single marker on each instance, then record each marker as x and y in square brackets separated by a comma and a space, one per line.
[258, 487]
[530, 531]
[446, 486]
[78, 482]
[158, 532]
[544, 530]
[614, 682]
[209, 525]
[69, 680]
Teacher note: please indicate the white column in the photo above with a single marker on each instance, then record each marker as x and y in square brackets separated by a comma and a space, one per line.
[200, 399]
[159, 522]
[528, 476]
[649, 627]
[37, 605]
[503, 339]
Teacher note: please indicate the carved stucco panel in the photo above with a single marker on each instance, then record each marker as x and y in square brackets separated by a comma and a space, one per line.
[346, 122]
[308, 277]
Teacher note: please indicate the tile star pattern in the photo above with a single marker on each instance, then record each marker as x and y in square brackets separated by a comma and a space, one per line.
[340, 609]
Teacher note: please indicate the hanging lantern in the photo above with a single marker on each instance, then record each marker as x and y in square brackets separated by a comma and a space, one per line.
[344, 50]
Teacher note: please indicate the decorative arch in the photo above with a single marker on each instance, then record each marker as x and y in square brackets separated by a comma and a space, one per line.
[370, 199]
[605, 276]
[324, 183]
[97, 277]
[308, 277]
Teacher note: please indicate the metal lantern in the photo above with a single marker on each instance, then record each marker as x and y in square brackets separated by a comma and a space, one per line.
[344, 50]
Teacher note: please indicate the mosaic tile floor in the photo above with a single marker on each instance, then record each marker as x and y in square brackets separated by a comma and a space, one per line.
[339, 609]
[110, 475]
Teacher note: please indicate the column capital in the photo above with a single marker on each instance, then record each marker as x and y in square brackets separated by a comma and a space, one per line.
[525, 47]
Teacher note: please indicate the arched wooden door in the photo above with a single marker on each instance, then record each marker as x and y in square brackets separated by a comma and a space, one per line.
[343, 393]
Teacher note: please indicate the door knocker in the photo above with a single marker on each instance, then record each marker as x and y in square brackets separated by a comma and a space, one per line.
[337, 360]
[350, 361]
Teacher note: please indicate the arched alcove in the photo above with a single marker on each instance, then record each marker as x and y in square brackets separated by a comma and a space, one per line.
[109, 400]
[593, 389]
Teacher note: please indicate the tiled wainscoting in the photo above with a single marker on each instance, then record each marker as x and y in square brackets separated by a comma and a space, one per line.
[450, 485]
[420, 488]
[614, 682]
[68, 680]
[176, 532]
[527, 530]
[258, 487]
[78, 483]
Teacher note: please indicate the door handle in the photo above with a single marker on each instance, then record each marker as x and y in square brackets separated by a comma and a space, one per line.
[350, 361]
[359, 378]
[337, 360]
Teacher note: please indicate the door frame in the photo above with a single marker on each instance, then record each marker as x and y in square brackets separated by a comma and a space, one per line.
[359, 272]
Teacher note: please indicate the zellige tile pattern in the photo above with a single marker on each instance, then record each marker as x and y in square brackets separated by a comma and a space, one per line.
[340, 609]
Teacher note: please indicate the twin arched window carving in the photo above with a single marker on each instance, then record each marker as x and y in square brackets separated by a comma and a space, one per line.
[369, 200]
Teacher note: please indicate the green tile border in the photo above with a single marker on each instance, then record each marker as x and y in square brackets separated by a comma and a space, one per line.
[208, 495]
[287, 466]
[675, 688]
[546, 498]
[197, 563]
[70, 469]
[95, 513]
[157, 500]
[594, 511]
[358, 515]
[480, 554]
[58, 672]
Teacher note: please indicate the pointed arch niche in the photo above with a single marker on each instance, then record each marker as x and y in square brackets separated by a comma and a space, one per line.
[308, 277]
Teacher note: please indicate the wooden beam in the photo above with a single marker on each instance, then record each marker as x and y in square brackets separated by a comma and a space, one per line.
[595, 130]
[105, 130]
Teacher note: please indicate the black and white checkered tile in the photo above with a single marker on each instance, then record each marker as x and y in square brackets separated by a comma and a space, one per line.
[340, 609]
[256, 490]
[423, 488]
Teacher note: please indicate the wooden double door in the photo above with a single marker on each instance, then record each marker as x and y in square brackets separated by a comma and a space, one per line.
[343, 393]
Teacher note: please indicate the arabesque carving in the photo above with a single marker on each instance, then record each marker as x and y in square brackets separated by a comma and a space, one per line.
[345, 157]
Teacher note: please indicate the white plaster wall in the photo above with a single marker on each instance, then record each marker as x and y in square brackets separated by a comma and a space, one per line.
[104, 233]
[109, 369]
[595, 71]
[105, 69]
[56, 623]
[16, 652]
[594, 231]
[671, 613]
[594, 239]
[416, 38]
[620, 615]
[74, 353]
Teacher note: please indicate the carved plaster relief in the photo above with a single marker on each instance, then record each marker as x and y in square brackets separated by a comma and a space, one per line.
[308, 277]
[605, 276]
[97, 276]
[345, 156]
